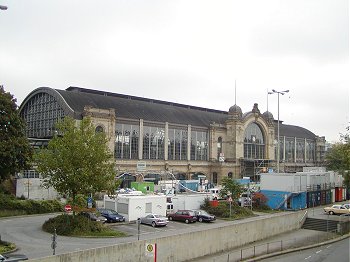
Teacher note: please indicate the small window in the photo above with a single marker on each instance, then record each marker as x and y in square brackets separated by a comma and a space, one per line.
[99, 129]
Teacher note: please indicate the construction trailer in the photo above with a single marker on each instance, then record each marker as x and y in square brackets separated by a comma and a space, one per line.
[187, 201]
[134, 206]
[285, 191]
[292, 191]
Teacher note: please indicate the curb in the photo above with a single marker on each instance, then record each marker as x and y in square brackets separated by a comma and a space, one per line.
[297, 249]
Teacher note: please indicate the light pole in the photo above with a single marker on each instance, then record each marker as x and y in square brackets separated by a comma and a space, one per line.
[278, 124]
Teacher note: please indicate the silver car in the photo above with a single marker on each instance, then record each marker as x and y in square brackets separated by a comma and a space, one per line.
[154, 220]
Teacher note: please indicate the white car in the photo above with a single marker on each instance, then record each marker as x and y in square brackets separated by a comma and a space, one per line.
[336, 210]
[154, 220]
[347, 206]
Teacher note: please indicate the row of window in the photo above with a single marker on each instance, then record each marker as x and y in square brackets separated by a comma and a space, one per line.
[128, 136]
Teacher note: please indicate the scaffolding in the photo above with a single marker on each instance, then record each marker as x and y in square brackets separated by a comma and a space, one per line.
[253, 167]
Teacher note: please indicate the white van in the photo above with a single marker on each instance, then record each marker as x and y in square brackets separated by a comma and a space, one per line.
[215, 193]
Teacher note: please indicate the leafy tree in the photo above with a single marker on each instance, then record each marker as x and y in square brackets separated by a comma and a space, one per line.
[77, 160]
[15, 151]
[230, 187]
[338, 158]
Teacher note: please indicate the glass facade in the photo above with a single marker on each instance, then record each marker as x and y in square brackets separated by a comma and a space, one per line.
[153, 142]
[290, 149]
[199, 145]
[126, 141]
[300, 150]
[41, 113]
[254, 144]
[177, 144]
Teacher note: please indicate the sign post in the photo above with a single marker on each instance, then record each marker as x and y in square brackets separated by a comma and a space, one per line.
[68, 208]
[230, 201]
[89, 202]
[151, 250]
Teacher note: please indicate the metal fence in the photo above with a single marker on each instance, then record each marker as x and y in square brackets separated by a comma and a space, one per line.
[274, 246]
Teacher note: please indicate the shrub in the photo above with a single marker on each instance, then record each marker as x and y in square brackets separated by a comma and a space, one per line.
[8, 203]
[68, 225]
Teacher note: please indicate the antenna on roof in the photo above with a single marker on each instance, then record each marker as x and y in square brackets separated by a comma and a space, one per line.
[235, 93]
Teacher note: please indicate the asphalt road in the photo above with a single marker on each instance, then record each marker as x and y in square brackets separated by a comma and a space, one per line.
[28, 236]
[335, 252]
[30, 240]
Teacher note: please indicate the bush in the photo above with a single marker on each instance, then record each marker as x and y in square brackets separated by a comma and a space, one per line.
[10, 203]
[223, 210]
[69, 225]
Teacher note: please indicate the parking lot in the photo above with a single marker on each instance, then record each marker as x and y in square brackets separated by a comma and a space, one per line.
[145, 230]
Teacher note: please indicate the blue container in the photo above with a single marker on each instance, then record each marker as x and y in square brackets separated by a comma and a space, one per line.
[285, 200]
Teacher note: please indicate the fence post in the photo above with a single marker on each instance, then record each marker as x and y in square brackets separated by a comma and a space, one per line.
[254, 251]
[228, 257]
[241, 254]
[267, 248]
[281, 245]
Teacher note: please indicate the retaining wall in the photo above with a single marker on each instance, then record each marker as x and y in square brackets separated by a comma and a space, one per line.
[186, 246]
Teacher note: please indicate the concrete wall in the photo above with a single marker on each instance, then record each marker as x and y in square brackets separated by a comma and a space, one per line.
[186, 246]
[31, 188]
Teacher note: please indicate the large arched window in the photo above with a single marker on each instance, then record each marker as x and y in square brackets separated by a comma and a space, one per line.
[254, 143]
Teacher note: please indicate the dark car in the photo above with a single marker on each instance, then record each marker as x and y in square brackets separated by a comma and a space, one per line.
[204, 216]
[13, 258]
[186, 216]
[93, 216]
[111, 215]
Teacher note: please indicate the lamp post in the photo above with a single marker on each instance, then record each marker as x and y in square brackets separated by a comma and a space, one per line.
[278, 124]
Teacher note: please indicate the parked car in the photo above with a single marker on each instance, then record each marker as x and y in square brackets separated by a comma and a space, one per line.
[154, 220]
[246, 198]
[336, 210]
[186, 216]
[93, 216]
[112, 216]
[204, 216]
[13, 257]
[347, 206]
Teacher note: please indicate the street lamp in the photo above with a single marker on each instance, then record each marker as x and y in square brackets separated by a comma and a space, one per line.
[278, 124]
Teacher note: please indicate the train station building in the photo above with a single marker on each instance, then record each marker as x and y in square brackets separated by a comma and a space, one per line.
[153, 138]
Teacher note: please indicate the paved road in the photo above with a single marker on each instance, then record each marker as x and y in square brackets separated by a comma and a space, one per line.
[334, 252]
[28, 236]
[26, 233]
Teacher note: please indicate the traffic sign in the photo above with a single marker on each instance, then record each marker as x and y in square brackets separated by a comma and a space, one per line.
[67, 208]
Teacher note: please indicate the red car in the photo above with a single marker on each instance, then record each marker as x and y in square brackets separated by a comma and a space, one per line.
[186, 216]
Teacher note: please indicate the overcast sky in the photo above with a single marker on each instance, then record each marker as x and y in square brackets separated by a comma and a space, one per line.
[189, 52]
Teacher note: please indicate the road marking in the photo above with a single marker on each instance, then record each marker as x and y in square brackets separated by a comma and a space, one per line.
[307, 257]
[329, 246]
[318, 251]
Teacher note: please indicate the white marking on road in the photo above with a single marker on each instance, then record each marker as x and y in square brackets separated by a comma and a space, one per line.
[329, 246]
[307, 257]
[318, 251]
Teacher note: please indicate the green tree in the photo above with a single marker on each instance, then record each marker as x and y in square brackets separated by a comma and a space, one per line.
[338, 159]
[77, 160]
[15, 150]
[230, 187]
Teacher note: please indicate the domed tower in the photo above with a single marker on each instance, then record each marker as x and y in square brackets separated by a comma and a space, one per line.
[235, 112]
[268, 116]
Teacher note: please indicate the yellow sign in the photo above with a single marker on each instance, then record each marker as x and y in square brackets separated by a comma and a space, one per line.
[150, 250]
